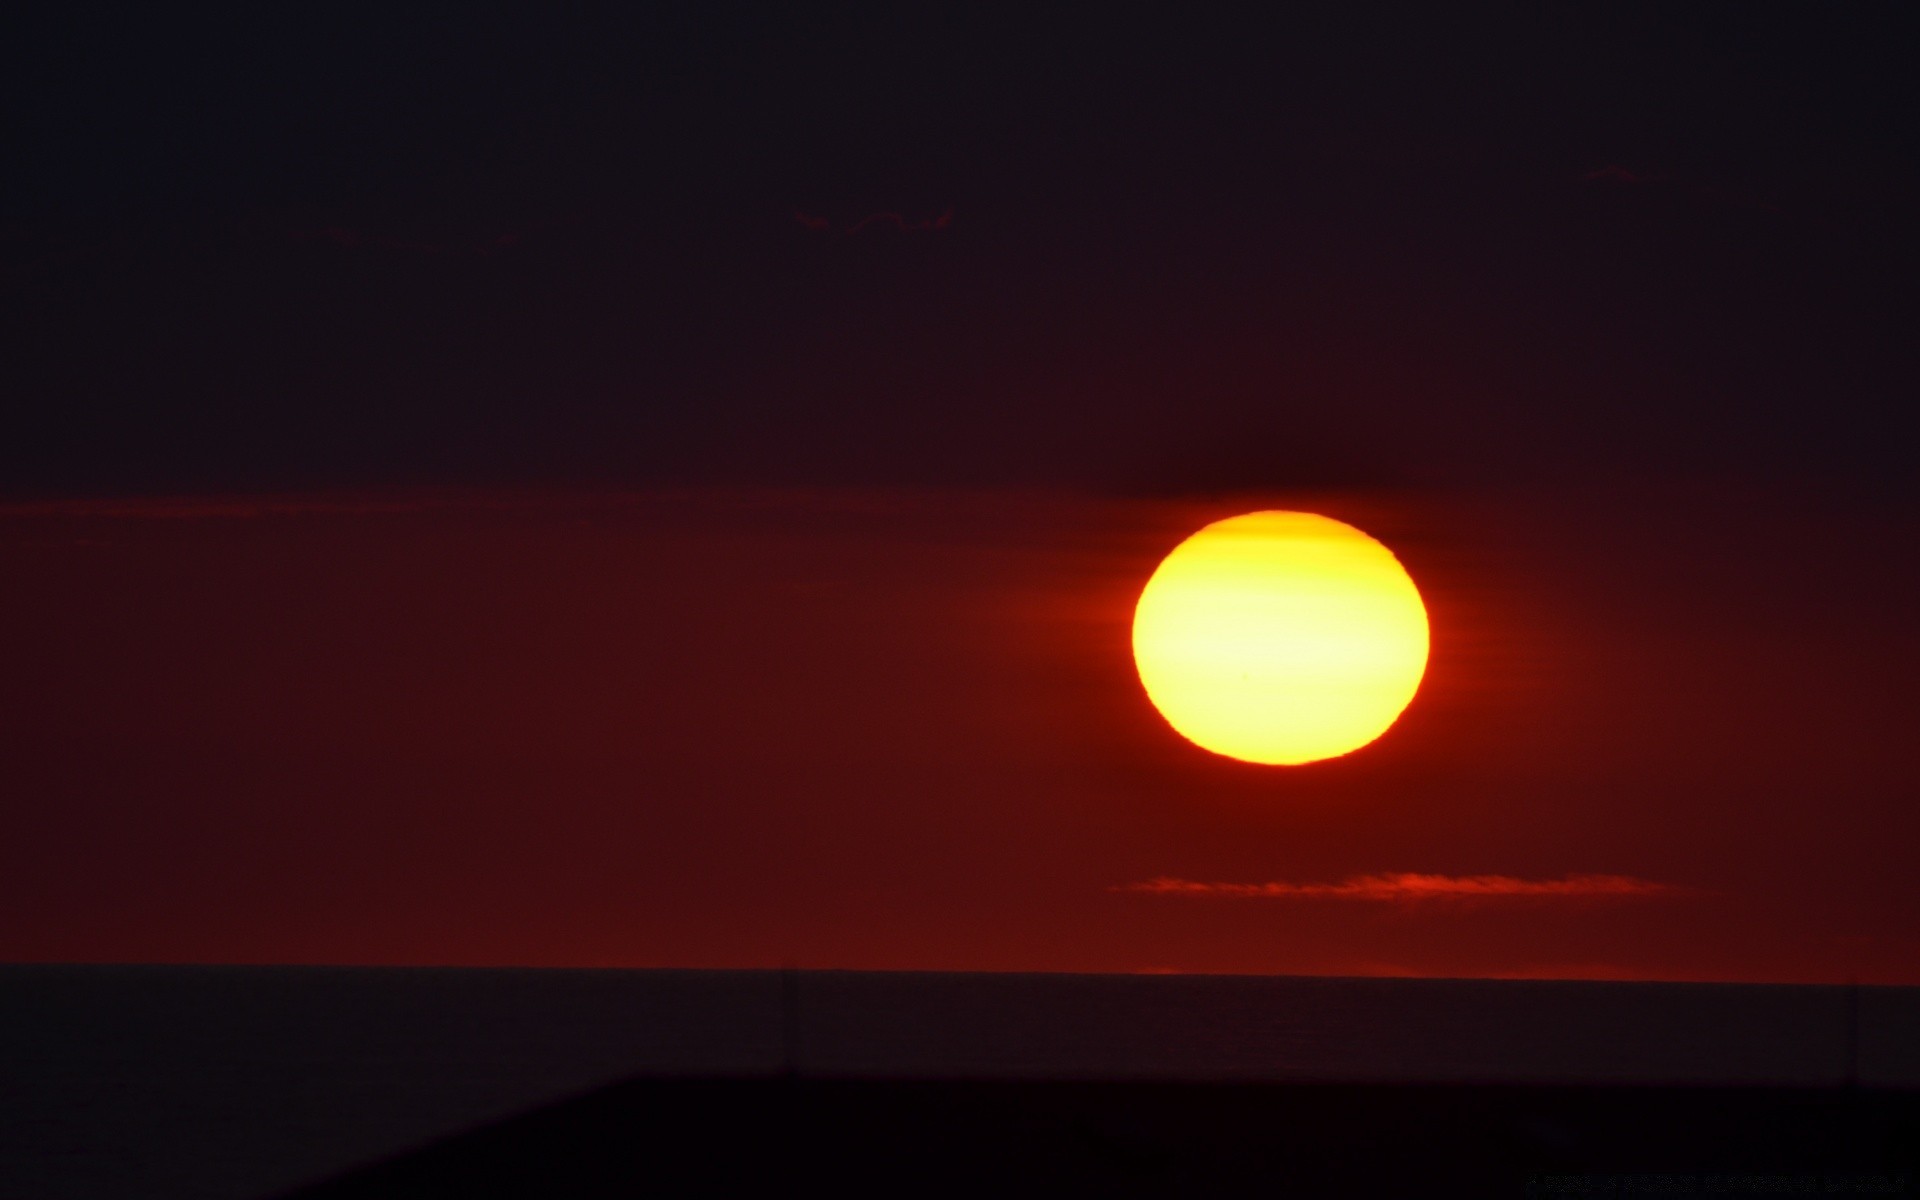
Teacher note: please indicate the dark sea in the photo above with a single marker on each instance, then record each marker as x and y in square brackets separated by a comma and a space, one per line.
[156, 1082]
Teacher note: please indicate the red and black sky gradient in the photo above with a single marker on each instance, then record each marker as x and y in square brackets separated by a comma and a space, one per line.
[669, 490]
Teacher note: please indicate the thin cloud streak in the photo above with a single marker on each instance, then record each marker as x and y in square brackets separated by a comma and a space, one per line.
[1411, 887]
[900, 222]
[891, 220]
[202, 508]
[870, 500]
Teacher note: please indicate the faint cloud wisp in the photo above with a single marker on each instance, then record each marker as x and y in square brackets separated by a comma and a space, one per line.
[1412, 887]
[889, 220]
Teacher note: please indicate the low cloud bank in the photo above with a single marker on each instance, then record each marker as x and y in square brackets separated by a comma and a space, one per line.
[1411, 886]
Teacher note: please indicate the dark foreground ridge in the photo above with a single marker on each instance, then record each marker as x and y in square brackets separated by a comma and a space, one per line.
[232, 1083]
[759, 1136]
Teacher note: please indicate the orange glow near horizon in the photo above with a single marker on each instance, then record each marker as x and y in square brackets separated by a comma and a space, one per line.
[1280, 638]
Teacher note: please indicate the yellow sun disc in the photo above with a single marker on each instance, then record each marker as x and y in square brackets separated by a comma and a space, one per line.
[1280, 637]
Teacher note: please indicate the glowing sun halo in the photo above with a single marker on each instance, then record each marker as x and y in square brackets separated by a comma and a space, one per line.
[1280, 637]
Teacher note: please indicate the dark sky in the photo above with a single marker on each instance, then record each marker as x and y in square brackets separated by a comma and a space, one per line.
[667, 485]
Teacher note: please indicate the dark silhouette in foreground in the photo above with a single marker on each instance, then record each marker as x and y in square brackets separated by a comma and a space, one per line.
[752, 1136]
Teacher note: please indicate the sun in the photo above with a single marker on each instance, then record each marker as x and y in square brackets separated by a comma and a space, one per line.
[1280, 638]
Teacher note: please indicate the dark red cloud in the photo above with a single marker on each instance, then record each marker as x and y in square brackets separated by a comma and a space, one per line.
[201, 508]
[1409, 886]
[1704, 195]
[943, 221]
[1615, 173]
[892, 220]
[459, 500]
[354, 239]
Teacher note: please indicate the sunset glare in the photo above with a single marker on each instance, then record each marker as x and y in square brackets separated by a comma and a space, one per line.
[1280, 638]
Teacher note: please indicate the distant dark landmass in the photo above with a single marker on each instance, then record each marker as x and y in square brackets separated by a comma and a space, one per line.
[230, 1082]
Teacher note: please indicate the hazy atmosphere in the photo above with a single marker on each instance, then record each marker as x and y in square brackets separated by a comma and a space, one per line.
[670, 488]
